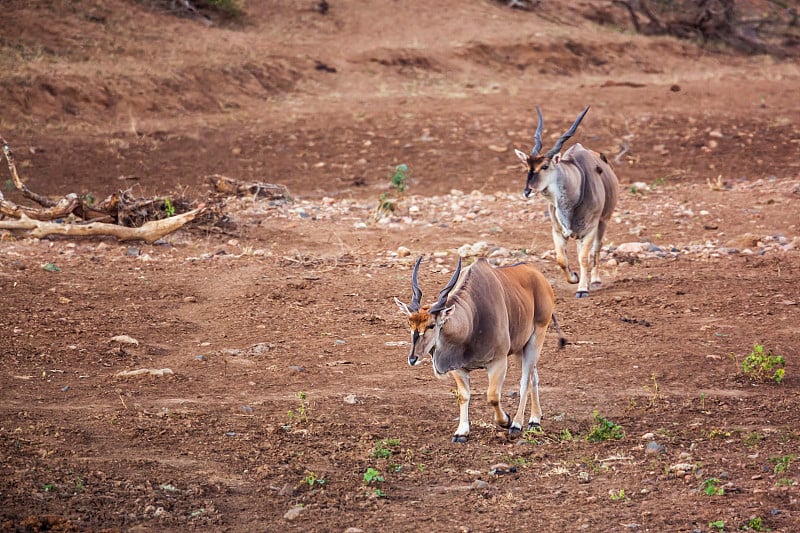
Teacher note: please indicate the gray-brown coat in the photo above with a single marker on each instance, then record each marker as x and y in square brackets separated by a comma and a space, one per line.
[581, 190]
[481, 317]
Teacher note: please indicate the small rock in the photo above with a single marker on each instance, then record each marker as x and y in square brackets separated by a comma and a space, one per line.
[294, 512]
[200, 357]
[479, 484]
[133, 251]
[353, 530]
[295, 368]
[124, 339]
[648, 436]
[500, 469]
[149, 371]
[246, 409]
[190, 299]
[402, 251]
[351, 399]
[632, 247]
[654, 448]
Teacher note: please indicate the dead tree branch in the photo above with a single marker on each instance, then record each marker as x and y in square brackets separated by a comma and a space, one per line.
[147, 219]
[148, 232]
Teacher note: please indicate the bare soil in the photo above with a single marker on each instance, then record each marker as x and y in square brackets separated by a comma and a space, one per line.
[287, 356]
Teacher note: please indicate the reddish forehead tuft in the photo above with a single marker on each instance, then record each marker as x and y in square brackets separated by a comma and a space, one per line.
[419, 320]
[536, 161]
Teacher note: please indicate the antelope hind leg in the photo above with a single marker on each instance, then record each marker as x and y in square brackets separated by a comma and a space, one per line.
[597, 246]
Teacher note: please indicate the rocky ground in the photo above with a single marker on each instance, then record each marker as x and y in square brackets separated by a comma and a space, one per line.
[254, 377]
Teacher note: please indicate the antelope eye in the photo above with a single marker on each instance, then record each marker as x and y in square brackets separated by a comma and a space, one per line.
[431, 326]
[544, 167]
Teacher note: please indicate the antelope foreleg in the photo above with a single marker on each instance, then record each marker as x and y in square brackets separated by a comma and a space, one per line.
[560, 244]
[585, 244]
[462, 396]
[497, 374]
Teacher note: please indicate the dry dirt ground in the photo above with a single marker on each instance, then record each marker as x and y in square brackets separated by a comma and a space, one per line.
[287, 354]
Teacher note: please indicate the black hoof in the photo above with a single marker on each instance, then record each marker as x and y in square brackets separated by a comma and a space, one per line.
[459, 439]
[535, 426]
[582, 294]
[514, 430]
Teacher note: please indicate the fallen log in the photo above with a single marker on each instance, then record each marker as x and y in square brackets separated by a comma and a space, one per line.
[148, 232]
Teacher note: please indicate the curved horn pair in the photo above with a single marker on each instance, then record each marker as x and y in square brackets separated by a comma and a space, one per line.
[440, 303]
[561, 140]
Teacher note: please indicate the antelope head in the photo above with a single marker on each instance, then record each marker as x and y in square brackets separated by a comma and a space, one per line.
[541, 167]
[426, 322]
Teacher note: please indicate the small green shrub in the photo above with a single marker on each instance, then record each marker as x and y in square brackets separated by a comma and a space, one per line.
[301, 415]
[710, 487]
[604, 429]
[762, 367]
[398, 179]
[755, 524]
[372, 476]
[383, 449]
[782, 463]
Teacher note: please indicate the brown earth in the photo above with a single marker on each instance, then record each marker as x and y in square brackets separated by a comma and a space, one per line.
[288, 356]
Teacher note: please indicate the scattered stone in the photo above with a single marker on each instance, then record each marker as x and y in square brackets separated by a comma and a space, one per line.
[473, 250]
[200, 357]
[146, 371]
[124, 339]
[190, 299]
[294, 512]
[632, 247]
[402, 251]
[295, 368]
[655, 448]
[479, 484]
[351, 399]
[648, 436]
[246, 409]
[500, 469]
[353, 530]
[682, 468]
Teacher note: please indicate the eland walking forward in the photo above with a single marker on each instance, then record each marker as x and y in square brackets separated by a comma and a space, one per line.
[581, 190]
[483, 315]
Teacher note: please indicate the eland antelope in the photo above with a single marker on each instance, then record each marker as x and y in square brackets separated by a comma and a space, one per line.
[482, 316]
[581, 190]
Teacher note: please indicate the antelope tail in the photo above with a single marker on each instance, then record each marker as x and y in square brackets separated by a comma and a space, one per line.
[562, 340]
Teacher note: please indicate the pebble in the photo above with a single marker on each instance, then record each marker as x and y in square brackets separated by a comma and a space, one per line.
[294, 513]
[479, 484]
[654, 448]
[351, 399]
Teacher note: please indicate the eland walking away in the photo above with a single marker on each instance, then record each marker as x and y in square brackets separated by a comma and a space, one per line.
[581, 190]
[483, 315]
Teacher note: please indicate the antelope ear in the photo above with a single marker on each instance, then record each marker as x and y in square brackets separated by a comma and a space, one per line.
[522, 157]
[444, 315]
[556, 158]
[403, 307]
